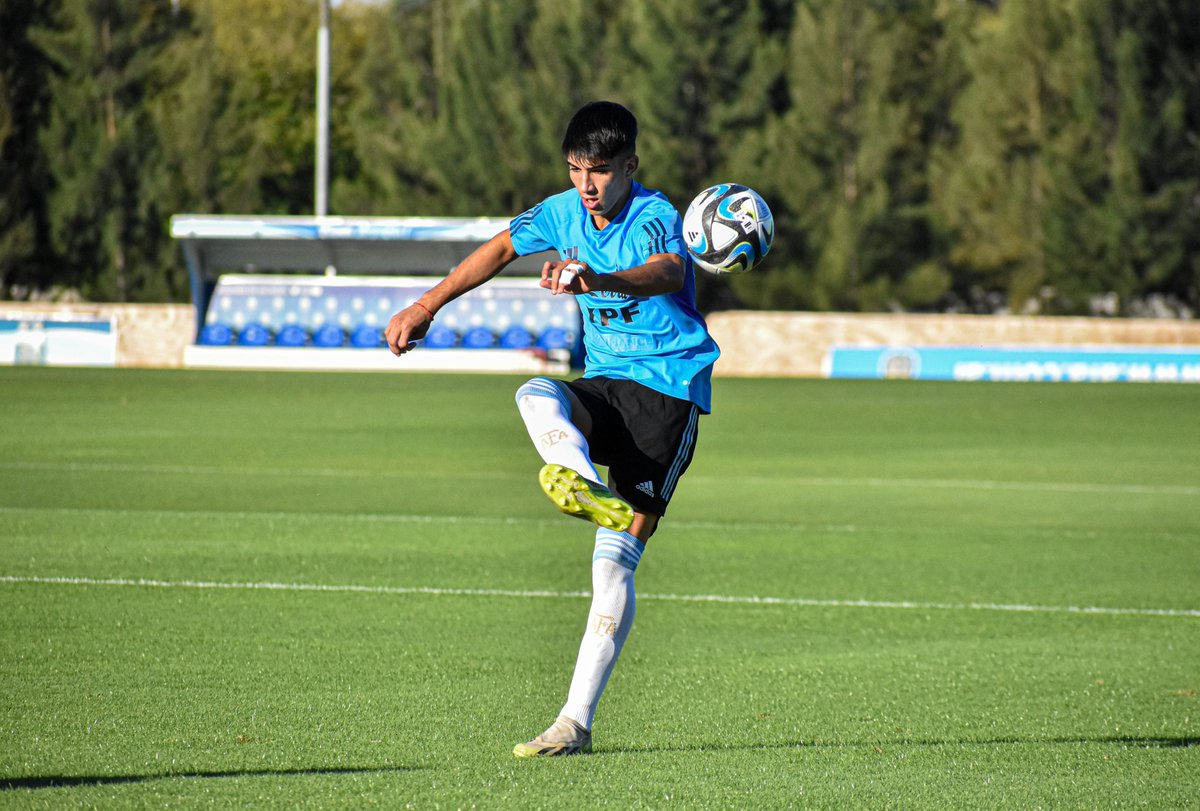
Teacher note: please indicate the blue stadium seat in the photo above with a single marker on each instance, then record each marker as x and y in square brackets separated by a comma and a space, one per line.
[291, 335]
[329, 336]
[297, 311]
[555, 338]
[254, 334]
[479, 338]
[366, 337]
[440, 337]
[215, 335]
[516, 338]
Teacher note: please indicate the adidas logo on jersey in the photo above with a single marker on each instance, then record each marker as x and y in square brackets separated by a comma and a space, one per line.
[647, 488]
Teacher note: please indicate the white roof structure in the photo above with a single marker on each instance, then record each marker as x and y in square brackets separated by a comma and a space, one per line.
[353, 245]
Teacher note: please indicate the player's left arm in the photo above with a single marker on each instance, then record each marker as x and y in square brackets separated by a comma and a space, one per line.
[662, 274]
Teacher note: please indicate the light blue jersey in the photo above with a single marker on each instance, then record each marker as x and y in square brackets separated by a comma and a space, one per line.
[660, 341]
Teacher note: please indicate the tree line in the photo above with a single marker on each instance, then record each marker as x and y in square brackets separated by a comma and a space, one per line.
[918, 155]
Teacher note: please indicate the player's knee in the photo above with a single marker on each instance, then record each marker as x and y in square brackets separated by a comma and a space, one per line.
[541, 394]
[644, 525]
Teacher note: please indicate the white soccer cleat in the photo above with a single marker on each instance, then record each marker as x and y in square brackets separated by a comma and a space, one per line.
[564, 737]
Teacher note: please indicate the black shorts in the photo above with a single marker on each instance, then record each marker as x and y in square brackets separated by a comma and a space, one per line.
[645, 438]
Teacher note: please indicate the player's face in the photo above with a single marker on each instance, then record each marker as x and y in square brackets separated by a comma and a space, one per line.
[603, 186]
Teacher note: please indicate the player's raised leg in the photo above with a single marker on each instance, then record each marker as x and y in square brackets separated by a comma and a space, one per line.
[569, 479]
[547, 408]
[614, 561]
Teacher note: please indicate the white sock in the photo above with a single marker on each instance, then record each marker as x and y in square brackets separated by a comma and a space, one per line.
[547, 415]
[609, 620]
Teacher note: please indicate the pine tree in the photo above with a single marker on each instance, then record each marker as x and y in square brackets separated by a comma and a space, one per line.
[392, 104]
[1035, 153]
[184, 113]
[265, 53]
[700, 78]
[496, 149]
[235, 113]
[1089, 215]
[98, 142]
[459, 113]
[25, 259]
[1156, 188]
[997, 184]
[1072, 178]
[842, 162]
[698, 75]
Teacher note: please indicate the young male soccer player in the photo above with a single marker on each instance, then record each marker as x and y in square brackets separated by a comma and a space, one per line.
[647, 375]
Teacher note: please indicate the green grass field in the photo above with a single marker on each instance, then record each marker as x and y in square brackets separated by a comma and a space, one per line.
[282, 590]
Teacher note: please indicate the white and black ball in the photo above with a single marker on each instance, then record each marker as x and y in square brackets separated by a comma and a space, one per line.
[728, 228]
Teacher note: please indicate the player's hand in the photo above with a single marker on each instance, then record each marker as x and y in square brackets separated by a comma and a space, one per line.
[406, 328]
[571, 276]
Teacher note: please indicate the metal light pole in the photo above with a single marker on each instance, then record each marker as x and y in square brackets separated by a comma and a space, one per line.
[322, 169]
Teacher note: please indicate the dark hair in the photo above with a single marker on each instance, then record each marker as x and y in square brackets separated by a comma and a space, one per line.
[599, 131]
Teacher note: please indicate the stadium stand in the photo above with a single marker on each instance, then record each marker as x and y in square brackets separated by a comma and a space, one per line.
[351, 311]
[290, 318]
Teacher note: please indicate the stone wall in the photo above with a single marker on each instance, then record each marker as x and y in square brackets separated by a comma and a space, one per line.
[752, 343]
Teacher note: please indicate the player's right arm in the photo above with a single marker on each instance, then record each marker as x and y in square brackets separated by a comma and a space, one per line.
[662, 274]
[410, 324]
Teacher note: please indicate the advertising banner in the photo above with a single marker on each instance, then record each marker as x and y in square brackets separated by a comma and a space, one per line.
[1140, 364]
[57, 341]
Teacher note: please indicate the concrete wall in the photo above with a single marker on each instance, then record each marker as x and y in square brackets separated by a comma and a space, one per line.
[752, 343]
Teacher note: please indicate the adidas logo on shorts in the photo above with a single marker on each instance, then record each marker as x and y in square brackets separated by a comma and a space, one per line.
[647, 488]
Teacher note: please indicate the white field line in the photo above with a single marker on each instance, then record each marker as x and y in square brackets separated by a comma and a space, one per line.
[802, 481]
[527, 594]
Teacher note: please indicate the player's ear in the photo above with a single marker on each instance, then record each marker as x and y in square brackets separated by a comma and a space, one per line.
[631, 165]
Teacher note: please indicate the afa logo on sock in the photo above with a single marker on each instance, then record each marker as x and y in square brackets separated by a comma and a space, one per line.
[604, 625]
[551, 438]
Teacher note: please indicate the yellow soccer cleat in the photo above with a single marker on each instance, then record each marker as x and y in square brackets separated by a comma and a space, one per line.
[564, 737]
[580, 498]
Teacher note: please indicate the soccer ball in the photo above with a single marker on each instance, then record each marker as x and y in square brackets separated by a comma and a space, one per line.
[728, 228]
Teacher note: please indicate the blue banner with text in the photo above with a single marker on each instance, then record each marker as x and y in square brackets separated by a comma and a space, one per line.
[1143, 364]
